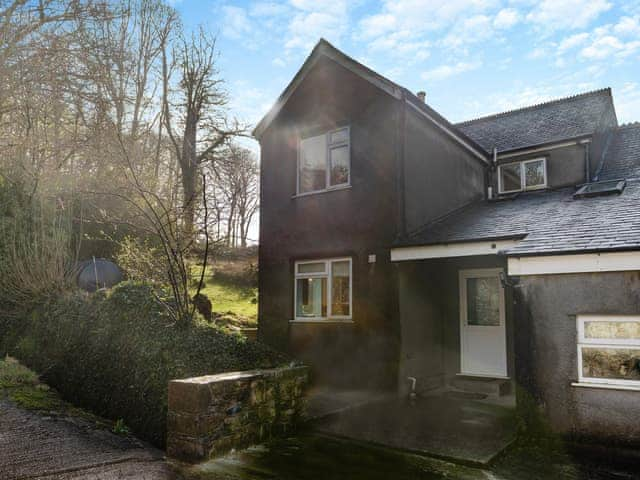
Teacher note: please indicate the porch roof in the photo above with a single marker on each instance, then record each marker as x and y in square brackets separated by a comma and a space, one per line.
[548, 222]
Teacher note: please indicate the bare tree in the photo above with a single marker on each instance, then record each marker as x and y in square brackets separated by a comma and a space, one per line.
[236, 193]
[201, 103]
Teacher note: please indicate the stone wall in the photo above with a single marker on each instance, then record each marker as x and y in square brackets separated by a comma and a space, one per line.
[208, 416]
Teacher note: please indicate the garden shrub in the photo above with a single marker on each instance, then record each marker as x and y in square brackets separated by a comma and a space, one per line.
[115, 353]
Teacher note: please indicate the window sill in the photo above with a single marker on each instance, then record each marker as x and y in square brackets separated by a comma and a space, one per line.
[526, 190]
[319, 192]
[606, 386]
[323, 320]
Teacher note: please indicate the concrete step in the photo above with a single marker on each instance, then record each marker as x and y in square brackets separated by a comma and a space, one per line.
[496, 387]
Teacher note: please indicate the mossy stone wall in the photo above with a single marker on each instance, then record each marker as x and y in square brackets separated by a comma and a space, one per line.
[211, 415]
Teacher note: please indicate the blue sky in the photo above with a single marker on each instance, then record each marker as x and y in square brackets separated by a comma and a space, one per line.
[472, 57]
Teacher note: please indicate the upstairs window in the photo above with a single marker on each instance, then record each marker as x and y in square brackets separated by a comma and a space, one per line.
[609, 349]
[324, 161]
[323, 289]
[522, 176]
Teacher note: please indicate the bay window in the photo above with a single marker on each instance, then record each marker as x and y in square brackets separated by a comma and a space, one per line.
[324, 161]
[323, 289]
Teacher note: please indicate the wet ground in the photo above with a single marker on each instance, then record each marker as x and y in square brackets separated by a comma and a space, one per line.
[316, 457]
[440, 426]
[43, 437]
[310, 456]
[37, 445]
[47, 446]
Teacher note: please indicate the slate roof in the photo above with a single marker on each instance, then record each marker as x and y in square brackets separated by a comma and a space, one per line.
[548, 222]
[543, 123]
[622, 157]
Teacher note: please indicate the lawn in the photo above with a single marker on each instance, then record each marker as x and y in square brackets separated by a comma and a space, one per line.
[231, 298]
[231, 285]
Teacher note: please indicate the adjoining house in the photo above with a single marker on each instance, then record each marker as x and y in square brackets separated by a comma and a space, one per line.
[496, 253]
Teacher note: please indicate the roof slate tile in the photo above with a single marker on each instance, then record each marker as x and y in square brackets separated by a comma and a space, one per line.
[543, 123]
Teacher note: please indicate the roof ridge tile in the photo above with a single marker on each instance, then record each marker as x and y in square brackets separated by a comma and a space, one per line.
[535, 106]
[635, 124]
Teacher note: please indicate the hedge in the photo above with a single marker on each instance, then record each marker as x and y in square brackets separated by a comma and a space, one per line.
[115, 353]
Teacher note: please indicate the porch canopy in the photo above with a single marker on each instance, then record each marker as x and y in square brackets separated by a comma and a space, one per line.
[541, 232]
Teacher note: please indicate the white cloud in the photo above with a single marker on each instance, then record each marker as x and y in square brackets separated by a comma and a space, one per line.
[608, 46]
[422, 15]
[627, 101]
[306, 28]
[376, 25]
[405, 28]
[567, 14]
[446, 71]
[313, 20]
[506, 18]
[628, 26]
[613, 41]
[268, 9]
[572, 42]
[537, 52]
[470, 30]
[236, 23]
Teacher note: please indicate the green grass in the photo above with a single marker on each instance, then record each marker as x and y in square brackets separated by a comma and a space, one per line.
[231, 290]
[13, 374]
[237, 299]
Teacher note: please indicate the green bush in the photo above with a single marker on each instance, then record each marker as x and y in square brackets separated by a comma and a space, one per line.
[115, 352]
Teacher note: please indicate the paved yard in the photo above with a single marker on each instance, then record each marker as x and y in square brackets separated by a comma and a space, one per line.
[39, 446]
[460, 430]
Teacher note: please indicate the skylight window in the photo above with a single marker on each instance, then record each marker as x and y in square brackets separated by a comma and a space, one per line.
[600, 188]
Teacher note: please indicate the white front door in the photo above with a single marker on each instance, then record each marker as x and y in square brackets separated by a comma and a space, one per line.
[483, 345]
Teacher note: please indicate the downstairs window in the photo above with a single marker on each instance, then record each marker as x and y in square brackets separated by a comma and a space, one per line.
[323, 289]
[609, 349]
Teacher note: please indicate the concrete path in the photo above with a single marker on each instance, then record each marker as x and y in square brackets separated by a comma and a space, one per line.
[38, 446]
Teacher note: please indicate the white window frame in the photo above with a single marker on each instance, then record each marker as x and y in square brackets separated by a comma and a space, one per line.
[523, 187]
[329, 147]
[326, 274]
[612, 343]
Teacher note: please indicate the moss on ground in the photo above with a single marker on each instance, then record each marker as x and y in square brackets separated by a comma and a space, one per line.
[21, 386]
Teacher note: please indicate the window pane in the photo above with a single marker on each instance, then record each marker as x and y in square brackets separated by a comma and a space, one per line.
[339, 165]
[317, 267]
[311, 298]
[510, 177]
[313, 164]
[339, 136]
[340, 288]
[612, 363]
[612, 330]
[483, 301]
[534, 173]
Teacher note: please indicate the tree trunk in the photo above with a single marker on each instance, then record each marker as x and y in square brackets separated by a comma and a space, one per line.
[189, 169]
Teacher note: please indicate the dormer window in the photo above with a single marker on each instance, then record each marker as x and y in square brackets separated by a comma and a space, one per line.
[324, 161]
[522, 176]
